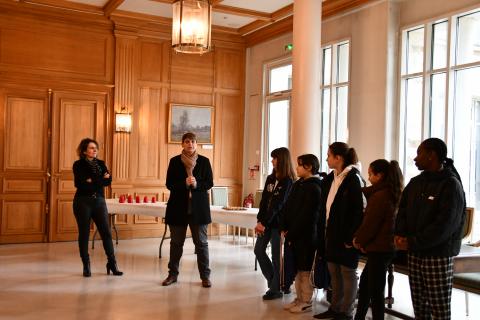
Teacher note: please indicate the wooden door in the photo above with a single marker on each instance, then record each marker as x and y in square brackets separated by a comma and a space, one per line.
[74, 116]
[24, 122]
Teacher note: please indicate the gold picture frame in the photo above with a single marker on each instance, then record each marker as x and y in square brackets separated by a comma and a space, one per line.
[190, 118]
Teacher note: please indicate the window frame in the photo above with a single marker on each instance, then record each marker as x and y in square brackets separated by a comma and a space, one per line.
[269, 97]
[333, 86]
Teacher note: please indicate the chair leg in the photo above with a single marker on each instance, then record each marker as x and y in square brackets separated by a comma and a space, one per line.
[466, 303]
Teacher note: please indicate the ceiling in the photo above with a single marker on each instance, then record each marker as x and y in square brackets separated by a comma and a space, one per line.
[242, 17]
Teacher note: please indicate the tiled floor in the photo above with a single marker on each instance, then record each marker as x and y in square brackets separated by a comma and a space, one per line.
[43, 281]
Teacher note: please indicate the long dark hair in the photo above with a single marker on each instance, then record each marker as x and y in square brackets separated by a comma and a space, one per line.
[391, 175]
[309, 160]
[439, 147]
[284, 164]
[349, 155]
[83, 145]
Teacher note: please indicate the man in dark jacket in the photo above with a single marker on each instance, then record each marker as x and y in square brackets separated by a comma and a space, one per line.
[429, 226]
[189, 177]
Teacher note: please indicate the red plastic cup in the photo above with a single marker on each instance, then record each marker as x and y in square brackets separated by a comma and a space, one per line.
[137, 199]
[153, 199]
[145, 199]
[130, 198]
[121, 199]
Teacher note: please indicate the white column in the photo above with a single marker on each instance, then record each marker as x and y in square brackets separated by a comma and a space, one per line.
[305, 109]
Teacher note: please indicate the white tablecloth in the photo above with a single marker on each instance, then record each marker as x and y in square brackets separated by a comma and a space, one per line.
[240, 218]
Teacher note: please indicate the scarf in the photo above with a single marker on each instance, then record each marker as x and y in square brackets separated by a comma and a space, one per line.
[189, 161]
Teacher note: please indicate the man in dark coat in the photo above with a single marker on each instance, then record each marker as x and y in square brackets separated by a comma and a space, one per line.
[189, 177]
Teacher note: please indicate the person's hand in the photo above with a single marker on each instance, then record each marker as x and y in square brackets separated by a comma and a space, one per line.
[401, 243]
[284, 233]
[356, 244]
[259, 228]
[89, 180]
[106, 175]
[191, 181]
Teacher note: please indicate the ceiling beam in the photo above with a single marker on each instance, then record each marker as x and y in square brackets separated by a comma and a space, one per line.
[110, 6]
[242, 12]
[259, 31]
[275, 16]
[63, 4]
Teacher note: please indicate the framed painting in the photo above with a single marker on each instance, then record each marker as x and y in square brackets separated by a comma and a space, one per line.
[190, 118]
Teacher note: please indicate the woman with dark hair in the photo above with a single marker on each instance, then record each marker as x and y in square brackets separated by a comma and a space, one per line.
[342, 205]
[300, 224]
[375, 235]
[91, 176]
[429, 226]
[274, 195]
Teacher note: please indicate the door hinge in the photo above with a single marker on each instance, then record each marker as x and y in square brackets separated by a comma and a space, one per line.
[47, 208]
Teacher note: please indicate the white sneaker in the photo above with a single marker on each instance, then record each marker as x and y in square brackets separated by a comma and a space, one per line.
[290, 305]
[301, 307]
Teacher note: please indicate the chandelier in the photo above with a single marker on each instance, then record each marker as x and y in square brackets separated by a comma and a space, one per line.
[191, 26]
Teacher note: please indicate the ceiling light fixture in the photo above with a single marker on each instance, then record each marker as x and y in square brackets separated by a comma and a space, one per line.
[191, 26]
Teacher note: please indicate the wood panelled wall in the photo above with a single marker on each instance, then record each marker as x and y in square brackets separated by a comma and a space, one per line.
[63, 75]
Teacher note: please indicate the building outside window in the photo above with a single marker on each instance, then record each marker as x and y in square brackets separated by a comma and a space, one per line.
[440, 96]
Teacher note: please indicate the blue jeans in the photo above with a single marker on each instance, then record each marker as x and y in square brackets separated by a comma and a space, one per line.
[270, 268]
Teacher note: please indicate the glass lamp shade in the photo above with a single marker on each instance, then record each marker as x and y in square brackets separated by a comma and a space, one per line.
[191, 26]
[123, 122]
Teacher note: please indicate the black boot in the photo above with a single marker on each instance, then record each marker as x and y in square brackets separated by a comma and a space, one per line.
[112, 266]
[86, 268]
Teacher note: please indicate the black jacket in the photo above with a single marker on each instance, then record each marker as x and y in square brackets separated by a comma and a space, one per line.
[82, 171]
[273, 200]
[345, 217]
[432, 213]
[178, 202]
[302, 215]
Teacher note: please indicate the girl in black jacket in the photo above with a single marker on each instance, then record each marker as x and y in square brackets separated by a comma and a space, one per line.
[342, 204]
[301, 223]
[91, 176]
[429, 226]
[274, 195]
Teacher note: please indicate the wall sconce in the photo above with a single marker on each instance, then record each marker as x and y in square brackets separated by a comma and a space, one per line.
[123, 121]
[191, 26]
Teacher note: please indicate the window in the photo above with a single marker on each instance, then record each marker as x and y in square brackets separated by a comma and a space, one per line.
[334, 91]
[440, 96]
[277, 109]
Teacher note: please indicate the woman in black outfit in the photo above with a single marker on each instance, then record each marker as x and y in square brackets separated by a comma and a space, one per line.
[91, 176]
[274, 195]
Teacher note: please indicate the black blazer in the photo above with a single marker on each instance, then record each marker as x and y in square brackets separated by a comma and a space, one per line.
[345, 217]
[177, 206]
[83, 171]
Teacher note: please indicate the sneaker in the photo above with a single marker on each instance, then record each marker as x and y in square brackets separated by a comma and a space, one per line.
[329, 314]
[272, 295]
[290, 305]
[301, 307]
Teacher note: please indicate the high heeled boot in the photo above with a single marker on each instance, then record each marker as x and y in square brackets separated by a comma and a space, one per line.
[112, 266]
[86, 268]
